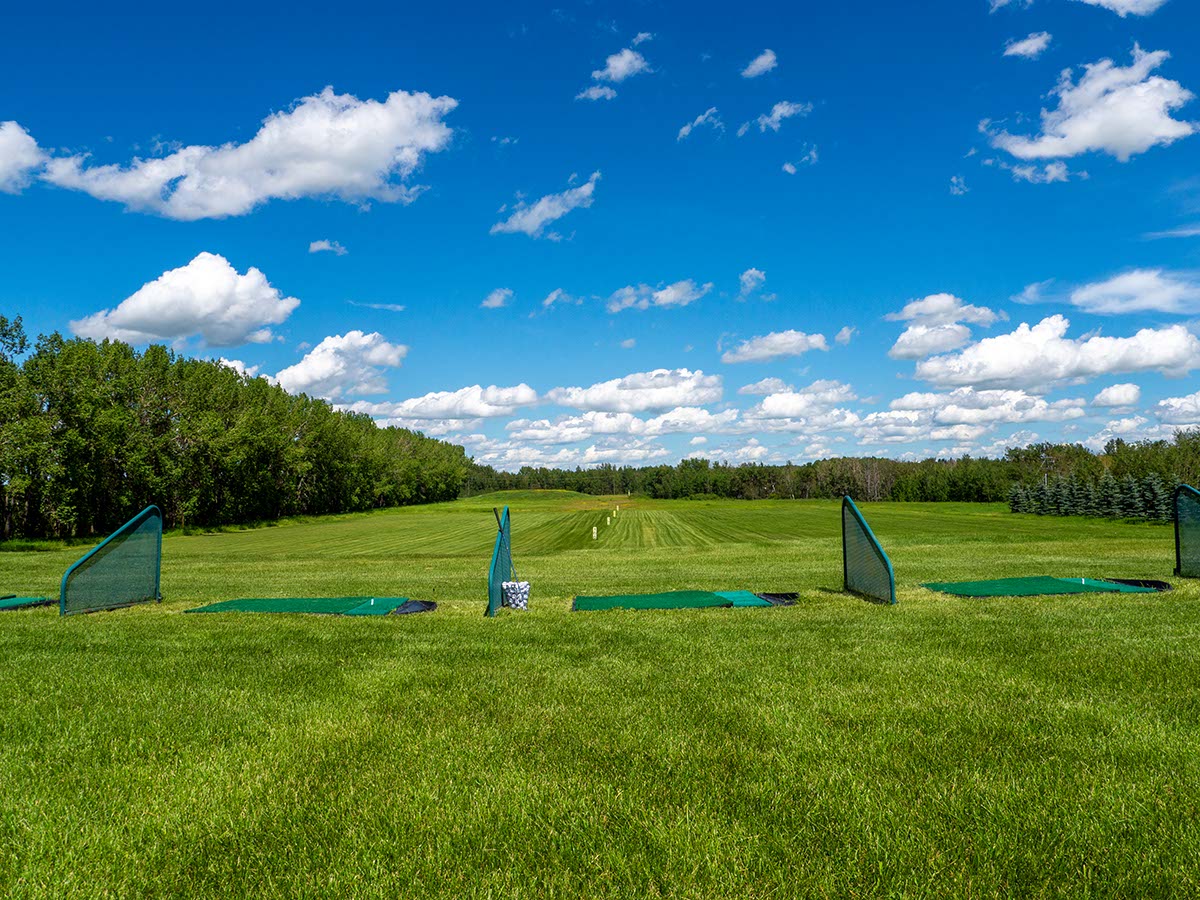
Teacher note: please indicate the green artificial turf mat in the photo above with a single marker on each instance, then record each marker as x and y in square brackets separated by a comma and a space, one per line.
[328, 606]
[669, 600]
[1034, 586]
[23, 602]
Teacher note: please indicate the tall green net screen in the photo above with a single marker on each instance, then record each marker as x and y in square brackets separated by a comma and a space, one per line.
[501, 569]
[121, 571]
[1187, 531]
[866, 568]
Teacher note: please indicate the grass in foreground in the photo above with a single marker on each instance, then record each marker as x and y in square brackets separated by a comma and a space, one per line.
[1034, 747]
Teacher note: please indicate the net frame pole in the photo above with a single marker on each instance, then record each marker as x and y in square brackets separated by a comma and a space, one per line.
[848, 505]
[495, 590]
[1184, 490]
[150, 511]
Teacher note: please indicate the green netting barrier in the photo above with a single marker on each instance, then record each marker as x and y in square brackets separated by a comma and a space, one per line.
[670, 600]
[124, 569]
[501, 569]
[1035, 586]
[322, 606]
[11, 602]
[866, 569]
[1187, 531]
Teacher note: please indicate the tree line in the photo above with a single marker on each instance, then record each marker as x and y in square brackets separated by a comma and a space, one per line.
[1150, 497]
[90, 433]
[966, 479]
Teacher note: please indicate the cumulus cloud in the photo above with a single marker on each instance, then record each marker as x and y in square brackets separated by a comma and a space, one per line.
[1114, 110]
[597, 92]
[474, 402]
[958, 186]
[845, 335]
[761, 64]
[919, 341]
[1118, 395]
[641, 37]
[766, 386]
[817, 397]
[511, 456]
[681, 293]
[1042, 356]
[1179, 410]
[19, 157]
[936, 325]
[750, 281]
[709, 117]
[1125, 8]
[571, 429]
[775, 344]
[205, 298]
[660, 389]
[1140, 290]
[326, 145]
[344, 365]
[532, 219]
[1047, 174]
[1030, 47]
[327, 247]
[621, 65]
[784, 109]
[497, 298]
[240, 367]
[968, 406]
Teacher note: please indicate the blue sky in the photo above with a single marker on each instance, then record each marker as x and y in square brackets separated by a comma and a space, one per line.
[900, 229]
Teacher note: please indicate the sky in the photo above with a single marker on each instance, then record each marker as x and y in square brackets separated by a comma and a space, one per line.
[581, 233]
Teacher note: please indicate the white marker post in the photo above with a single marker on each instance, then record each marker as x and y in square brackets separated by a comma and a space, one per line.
[595, 531]
[608, 520]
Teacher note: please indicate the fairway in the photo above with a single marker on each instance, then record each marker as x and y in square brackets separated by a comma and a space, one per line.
[946, 745]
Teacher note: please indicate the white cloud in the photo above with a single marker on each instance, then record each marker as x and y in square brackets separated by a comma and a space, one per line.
[750, 281]
[943, 309]
[597, 92]
[698, 441]
[385, 307]
[327, 247]
[1000, 4]
[1029, 48]
[326, 145]
[845, 335]
[1184, 231]
[777, 343]
[497, 298]
[344, 365]
[766, 386]
[628, 343]
[1118, 395]
[509, 456]
[1114, 110]
[919, 341]
[474, 402]
[240, 367]
[641, 37]
[967, 406]
[1179, 410]
[708, 117]
[1047, 174]
[207, 297]
[557, 297]
[591, 424]
[761, 64]
[19, 157]
[958, 186]
[1140, 290]
[621, 65]
[659, 389]
[681, 293]
[1041, 356]
[817, 397]
[784, 109]
[533, 219]
[809, 158]
[1124, 8]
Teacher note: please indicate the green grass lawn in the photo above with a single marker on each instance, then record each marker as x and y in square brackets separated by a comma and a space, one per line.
[943, 746]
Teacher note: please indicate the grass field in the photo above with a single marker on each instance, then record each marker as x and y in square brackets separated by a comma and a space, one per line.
[943, 746]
